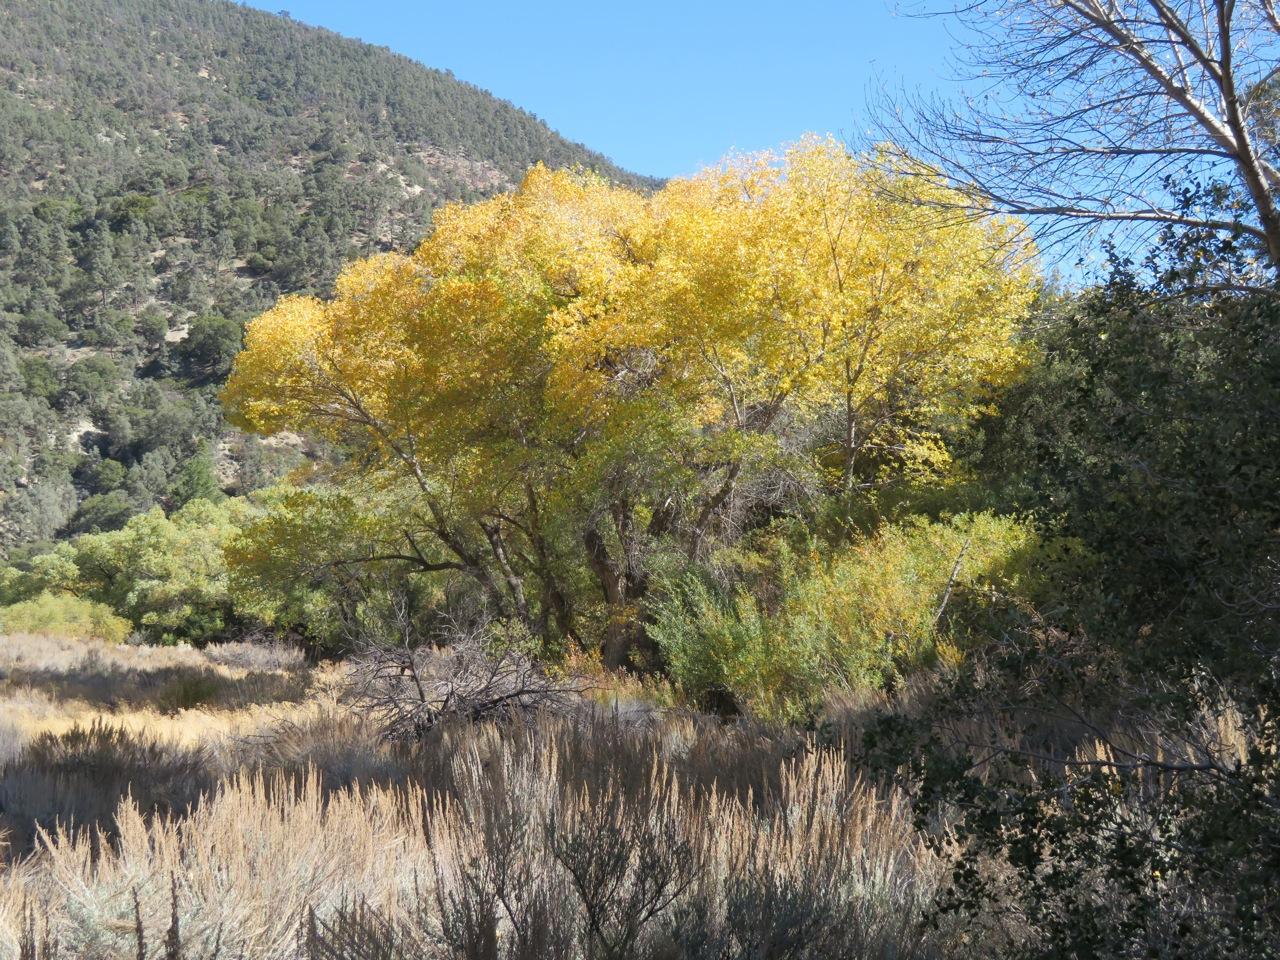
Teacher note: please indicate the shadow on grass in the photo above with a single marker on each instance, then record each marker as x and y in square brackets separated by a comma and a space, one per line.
[79, 777]
[167, 689]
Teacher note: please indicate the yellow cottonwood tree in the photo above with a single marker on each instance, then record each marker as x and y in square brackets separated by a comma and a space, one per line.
[436, 367]
[812, 286]
[575, 373]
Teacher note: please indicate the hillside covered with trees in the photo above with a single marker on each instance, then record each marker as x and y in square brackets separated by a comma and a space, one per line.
[168, 168]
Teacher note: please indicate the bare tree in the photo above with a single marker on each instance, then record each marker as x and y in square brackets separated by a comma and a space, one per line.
[1097, 113]
[414, 683]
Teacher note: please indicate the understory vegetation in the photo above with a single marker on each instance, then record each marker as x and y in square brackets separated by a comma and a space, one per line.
[212, 827]
[554, 840]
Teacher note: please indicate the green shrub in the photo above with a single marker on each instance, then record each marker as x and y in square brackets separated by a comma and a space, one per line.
[62, 615]
[872, 611]
[717, 647]
[1148, 430]
[165, 574]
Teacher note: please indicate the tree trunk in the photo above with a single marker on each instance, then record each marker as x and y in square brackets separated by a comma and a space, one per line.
[556, 603]
[515, 585]
[627, 644]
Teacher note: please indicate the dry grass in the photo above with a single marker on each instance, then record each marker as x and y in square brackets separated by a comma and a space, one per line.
[12, 739]
[61, 654]
[538, 818]
[51, 684]
[256, 655]
[291, 829]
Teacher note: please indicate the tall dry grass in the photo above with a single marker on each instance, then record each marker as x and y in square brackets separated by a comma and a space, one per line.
[53, 683]
[270, 820]
[549, 839]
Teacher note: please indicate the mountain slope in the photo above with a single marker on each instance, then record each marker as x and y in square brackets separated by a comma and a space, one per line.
[168, 168]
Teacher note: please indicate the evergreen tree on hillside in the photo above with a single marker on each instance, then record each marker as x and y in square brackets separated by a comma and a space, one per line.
[168, 169]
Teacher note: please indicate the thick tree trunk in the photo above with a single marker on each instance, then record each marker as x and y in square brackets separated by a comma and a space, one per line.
[627, 644]
[556, 603]
[1252, 167]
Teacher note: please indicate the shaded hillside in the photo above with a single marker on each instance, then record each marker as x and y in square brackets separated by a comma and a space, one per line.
[167, 169]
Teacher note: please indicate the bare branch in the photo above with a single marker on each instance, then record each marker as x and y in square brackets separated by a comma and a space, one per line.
[1105, 112]
[411, 688]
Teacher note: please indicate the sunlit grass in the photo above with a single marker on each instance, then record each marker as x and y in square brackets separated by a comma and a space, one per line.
[255, 822]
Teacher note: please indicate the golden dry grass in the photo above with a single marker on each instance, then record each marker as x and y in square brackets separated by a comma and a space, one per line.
[253, 818]
[251, 861]
[51, 684]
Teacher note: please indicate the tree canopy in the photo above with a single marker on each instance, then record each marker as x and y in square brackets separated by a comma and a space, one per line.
[576, 375]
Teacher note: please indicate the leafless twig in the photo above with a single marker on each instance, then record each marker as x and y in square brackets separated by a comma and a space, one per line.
[1099, 113]
[408, 690]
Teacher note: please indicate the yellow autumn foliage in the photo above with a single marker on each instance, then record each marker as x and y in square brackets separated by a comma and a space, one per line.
[572, 372]
[815, 281]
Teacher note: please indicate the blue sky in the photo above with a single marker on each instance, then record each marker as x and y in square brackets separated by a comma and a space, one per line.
[663, 88]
